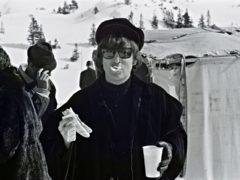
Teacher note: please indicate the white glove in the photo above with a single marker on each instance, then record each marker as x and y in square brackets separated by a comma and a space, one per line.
[70, 125]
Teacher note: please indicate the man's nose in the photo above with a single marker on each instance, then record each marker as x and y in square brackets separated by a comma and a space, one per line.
[116, 59]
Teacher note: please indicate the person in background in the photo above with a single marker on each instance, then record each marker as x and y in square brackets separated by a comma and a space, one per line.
[100, 131]
[94, 58]
[88, 76]
[144, 71]
[36, 76]
[174, 78]
[21, 153]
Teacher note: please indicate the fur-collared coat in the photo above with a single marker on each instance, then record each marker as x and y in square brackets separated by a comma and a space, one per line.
[21, 154]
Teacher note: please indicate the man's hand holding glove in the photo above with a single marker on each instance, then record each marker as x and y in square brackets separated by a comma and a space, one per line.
[70, 125]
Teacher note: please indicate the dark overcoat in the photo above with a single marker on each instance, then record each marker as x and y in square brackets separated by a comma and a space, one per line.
[155, 116]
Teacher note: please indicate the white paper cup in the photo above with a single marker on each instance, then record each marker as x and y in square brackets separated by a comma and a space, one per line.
[152, 157]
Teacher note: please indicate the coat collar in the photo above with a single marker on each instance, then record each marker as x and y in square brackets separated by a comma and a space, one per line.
[140, 99]
[22, 69]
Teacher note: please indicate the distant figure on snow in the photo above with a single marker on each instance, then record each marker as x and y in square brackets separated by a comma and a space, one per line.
[144, 71]
[88, 76]
[94, 58]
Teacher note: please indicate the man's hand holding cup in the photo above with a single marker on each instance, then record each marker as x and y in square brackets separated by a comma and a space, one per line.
[157, 158]
[166, 156]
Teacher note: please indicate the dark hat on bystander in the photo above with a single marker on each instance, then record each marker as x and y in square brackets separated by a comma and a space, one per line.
[4, 59]
[41, 56]
[121, 27]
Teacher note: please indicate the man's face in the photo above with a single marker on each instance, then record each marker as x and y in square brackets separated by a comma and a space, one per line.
[118, 64]
[33, 70]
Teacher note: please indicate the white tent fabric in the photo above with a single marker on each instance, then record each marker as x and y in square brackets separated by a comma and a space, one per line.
[214, 119]
[213, 125]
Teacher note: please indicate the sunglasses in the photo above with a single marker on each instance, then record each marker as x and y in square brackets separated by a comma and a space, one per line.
[123, 53]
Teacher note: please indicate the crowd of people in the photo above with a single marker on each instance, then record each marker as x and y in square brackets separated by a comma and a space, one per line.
[98, 134]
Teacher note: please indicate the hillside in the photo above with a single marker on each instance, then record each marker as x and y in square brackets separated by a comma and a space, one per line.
[75, 28]
[190, 41]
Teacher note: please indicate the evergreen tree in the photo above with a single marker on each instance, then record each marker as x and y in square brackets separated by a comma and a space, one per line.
[41, 34]
[179, 20]
[75, 55]
[92, 39]
[130, 17]
[95, 10]
[201, 22]
[168, 19]
[187, 22]
[155, 22]
[35, 32]
[141, 23]
[65, 9]
[186, 19]
[60, 10]
[208, 19]
[127, 2]
[171, 22]
[74, 5]
[68, 8]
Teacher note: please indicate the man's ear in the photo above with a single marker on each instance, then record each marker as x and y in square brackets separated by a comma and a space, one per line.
[138, 58]
[30, 64]
[135, 62]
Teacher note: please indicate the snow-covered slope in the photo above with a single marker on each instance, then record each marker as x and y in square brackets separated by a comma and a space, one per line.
[223, 13]
[76, 27]
[190, 41]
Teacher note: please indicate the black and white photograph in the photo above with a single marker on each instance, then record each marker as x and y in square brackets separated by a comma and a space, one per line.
[119, 89]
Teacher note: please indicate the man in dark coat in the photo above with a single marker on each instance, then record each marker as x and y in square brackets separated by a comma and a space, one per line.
[36, 76]
[21, 154]
[144, 73]
[88, 76]
[99, 133]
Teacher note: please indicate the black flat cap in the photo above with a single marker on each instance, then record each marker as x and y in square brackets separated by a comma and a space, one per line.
[120, 27]
[41, 56]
